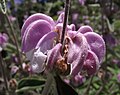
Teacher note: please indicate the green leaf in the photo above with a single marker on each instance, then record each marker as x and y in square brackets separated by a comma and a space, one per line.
[117, 24]
[10, 48]
[29, 84]
[94, 5]
[3, 6]
[111, 28]
[27, 88]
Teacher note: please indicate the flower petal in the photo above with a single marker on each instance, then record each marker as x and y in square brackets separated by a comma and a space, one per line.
[78, 49]
[46, 42]
[91, 64]
[97, 44]
[3, 38]
[53, 55]
[38, 61]
[34, 33]
[34, 17]
[29, 54]
[77, 80]
[72, 27]
[71, 33]
[85, 29]
[59, 26]
[60, 18]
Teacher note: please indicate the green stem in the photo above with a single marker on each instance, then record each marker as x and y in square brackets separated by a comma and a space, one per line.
[88, 87]
[47, 84]
[55, 88]
[4, 28]
[99, 91]
[15, 39]
[3, 73]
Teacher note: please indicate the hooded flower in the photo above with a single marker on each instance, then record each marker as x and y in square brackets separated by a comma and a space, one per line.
[37, 37]
[82, 49]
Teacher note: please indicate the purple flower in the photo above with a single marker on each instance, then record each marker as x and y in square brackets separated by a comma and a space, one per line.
[118, 77]
[77, 80]
[82, 2]
[42, 1]
[85, 29]
[14, 58]
[109, 39]
[91, 63]
[97, 44]
[3, 40]
[61, 18]
[11, 7]
[34, 1]
[83, 49]
[75, 17]
[116, 61]
[17, 2]
[12, 18]
[14, 69]
[37, 38]
[77, 52]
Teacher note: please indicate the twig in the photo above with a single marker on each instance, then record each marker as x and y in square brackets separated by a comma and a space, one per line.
[47, 84]
[67, 6]
[102, 19]
[50, 77]
[88, 87]
[15, 39]
[4, 27]
[111, 4]
[3, 73]
[99, 91]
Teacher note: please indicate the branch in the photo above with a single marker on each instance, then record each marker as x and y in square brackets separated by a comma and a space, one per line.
[67, 6]
[4, 73]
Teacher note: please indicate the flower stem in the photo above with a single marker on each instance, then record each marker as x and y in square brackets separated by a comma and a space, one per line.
[67, 6]
[3, 73]
[47, 84]
[15, 39]
[100, 90]
[4, 27]
[88, 87]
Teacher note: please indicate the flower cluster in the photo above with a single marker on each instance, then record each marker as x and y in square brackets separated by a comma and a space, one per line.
[83, 49]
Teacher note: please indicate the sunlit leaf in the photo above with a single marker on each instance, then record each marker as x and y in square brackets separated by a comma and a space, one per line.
[3, 6]
[30, 84]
